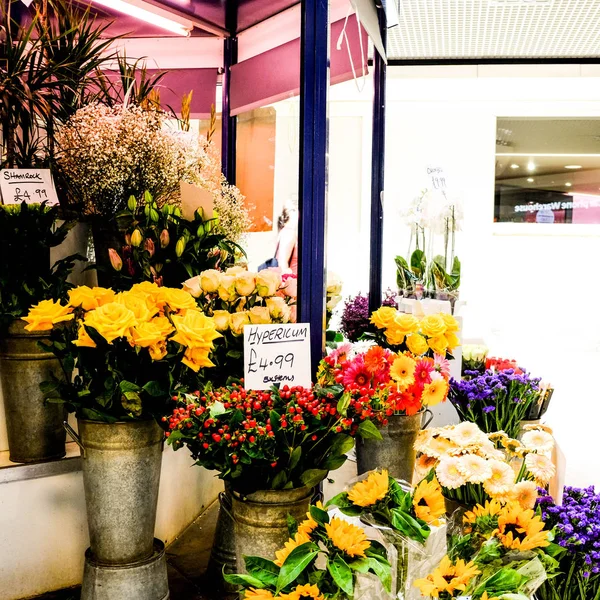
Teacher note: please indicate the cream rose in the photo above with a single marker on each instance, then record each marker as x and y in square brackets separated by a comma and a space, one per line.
[237, 322]
[221, 319]
[278, 309]
[193, 286]
[210, 280]
[245, 283]
[267, 283]
[226, 289]
[259, 315]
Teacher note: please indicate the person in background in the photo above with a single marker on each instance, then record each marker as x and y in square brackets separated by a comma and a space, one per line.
[286, 252]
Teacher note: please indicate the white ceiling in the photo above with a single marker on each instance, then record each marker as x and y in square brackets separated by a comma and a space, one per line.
[454, 29]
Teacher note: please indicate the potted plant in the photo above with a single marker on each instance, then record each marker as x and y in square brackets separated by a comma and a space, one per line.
[125, 355]
[324, 558]
[271, 448]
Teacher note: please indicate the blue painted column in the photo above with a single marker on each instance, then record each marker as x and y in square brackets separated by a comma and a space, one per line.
[314, 82]
[229, 123]
[377, 171]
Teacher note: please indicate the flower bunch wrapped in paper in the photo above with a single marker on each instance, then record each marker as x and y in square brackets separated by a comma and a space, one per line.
[258, 440]
[473, 467]
[504, 553]
[411, 519]
[125, 353]
[322, 560]
[576, 528]
[237, 298]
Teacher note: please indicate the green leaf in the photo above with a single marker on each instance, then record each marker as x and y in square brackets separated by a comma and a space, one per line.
[342, 443]
[295, 457]
[313, 477]
[342, 575]
[344, 403]
[128, 386]
[368, 431]
[218, 408]
[132, 403]
[279, 480]
[345, 505]
[243, 580]
[275, 421]
[295, 564]
[292, 525]
[409, 526]
[319, 515]
[383, 570]
[263, 569]
[155, 389]
[334, 462]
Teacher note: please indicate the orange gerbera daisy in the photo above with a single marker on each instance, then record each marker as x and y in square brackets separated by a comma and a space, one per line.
[520, 529]
[375, 359]
[347, 537]
[370, 490]
[290, 545]
[428, 501]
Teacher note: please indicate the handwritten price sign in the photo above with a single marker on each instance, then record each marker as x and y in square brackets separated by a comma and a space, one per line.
[276, 354]
[438, 177]
[27, 185]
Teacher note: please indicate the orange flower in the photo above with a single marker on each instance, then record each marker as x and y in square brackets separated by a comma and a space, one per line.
[347, 537]
[290, 545]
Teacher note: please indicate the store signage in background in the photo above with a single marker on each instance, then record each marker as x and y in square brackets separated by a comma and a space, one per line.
[277, 354]
[437, 177]
[27, 185]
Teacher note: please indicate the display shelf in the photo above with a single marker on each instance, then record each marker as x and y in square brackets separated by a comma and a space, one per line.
[11, 471]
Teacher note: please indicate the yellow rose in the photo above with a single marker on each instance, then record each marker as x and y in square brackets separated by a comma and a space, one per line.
[238, 321]
[158, 351]
[245, 283]
[145, 335]
[417, 344]
[149, 290]
[137, 303]
[279, 309]
[195, 358]
[433, 325]
[221, 319]
[227, 288]
[84, 297]
[384, 317]
[267, 283]
[452, 340]
[45, 314]
[259, 315]
[111, 321]
[193, 286]
[451, 322]
[83, 339]
[179, 299]
[235, 271]
[195, 330]
[395, 336]
[406, 323]
[209, 281]
[438, 344]
[103, 295]
[164, 326]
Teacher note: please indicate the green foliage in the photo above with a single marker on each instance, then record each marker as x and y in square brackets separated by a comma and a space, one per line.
[27, 233]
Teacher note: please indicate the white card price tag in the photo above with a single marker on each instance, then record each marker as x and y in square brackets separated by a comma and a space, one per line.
[27, 185]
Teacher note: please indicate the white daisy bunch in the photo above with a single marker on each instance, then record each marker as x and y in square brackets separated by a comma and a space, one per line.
[473, 466]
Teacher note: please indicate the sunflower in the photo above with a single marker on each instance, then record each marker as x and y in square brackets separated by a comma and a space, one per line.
[290, 545]
[403, 371]
[447, 578]
[347, 537]
[371, 490]
[254, 594]
[520, 529]
[434, 392]
[483, 518]
[428, 501]
[304, 592]
[309, 524]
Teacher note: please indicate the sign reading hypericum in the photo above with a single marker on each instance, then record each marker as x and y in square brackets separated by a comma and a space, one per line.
[276, 354]
[27, 185]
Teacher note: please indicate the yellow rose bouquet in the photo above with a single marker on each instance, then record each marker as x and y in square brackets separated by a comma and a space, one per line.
[236, 298]
[124, 354]
[426, 336]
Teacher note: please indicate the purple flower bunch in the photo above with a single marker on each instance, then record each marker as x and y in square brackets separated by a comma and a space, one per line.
[495, 400]
[356, 318]
[577, 529]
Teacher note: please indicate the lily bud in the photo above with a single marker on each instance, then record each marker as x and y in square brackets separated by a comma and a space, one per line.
[128, 239]
[177, 211]
[147, 197]
[164, 238]
[131, 203]
[115, 259]
[137, 238]
[154, 215]
[200, 232]
[149, 246]
[180, 247]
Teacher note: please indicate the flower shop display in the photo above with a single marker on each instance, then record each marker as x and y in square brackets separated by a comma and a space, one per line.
[505, 553]
[394, 388]
[27, 275]
[356, 317]
[495, 400]
[323, 559]
[236, 298]
[576, 529]
[123, 355]
[272, 447]
[411, 519]
[474, 357]
[473, 467]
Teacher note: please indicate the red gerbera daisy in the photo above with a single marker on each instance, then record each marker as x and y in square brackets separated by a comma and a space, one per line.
[356, 373]
[423, 371]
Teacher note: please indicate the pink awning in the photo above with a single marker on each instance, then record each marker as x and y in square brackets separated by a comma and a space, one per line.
[275, 75]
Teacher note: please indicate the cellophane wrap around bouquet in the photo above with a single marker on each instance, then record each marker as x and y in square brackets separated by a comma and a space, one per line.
[501, 552]
[124, 354]
[473, 467]
[276, 439]
[236, 298]
[410, 519]
[325, 558]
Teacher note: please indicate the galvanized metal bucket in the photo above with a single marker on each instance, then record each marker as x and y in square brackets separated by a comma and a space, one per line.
[121, 473]
[35, 428]
[144, 580]
[396, 451]
[261, 520]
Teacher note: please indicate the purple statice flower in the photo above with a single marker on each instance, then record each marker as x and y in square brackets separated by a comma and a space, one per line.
[356, 317]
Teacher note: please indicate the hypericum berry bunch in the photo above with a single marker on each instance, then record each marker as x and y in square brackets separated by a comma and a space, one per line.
[286, 437]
